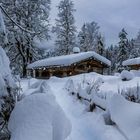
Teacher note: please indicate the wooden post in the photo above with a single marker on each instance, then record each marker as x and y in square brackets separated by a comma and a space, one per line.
[40, 73]
[34, 73]
[102, 70]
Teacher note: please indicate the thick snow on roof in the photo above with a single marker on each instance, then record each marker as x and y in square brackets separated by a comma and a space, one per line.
[66, 60]
[133, 61]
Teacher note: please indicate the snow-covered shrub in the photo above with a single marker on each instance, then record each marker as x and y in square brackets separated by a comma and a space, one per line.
[17, 79]
[131, 94]
[8, 95]
[87, 90]
[126, 116]
[126, 75]
[117, 74]
[39, 117]
[37, 87]
[70, 87]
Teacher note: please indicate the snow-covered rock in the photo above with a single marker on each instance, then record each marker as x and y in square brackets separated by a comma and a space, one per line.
[126, 75]
[126, 115]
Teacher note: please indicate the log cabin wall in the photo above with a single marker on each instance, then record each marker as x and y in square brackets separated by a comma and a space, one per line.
[135, 67]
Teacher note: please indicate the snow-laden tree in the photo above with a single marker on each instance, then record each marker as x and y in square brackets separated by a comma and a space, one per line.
[135, 49]
[65, 29]
[3, 37]
[112, 54]
[123, 49]
[88, 36]
[100, 47]
[8, 94]
[83, 39]
[27, 20]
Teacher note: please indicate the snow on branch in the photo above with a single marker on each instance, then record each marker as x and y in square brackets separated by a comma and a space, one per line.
[19, 26]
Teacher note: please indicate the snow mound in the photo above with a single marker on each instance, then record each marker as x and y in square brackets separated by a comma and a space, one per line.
[136, 72]
[37, 87]
[126, 75]
[38, 117]
[117, 74]
[126, 115]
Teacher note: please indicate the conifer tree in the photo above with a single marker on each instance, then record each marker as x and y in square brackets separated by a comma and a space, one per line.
[65, 28]
[135, 47]
[123, 49]
[88, 36]
[100, 48]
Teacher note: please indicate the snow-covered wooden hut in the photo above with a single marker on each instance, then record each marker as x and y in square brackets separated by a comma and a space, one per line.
[67, 65]
[133, 64]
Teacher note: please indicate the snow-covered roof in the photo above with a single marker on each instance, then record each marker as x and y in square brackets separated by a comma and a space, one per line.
[133, 61]
[67, 60]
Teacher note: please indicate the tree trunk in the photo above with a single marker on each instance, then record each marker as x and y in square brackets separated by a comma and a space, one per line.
[24, 70]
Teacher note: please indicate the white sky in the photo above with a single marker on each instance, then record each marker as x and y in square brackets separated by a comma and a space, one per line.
[111, 15]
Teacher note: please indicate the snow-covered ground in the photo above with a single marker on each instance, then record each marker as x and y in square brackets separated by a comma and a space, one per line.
[87, 125]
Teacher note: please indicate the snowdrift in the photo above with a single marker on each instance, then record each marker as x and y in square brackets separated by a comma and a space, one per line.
[39, 117]
[126, 75]
[126, 115]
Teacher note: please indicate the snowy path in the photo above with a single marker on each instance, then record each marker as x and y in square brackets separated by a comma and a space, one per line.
[85, 125]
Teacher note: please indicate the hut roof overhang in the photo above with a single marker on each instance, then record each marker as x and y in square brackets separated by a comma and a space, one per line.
[131, 62]
[67, 60]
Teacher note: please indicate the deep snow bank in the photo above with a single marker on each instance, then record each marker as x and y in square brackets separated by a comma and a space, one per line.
[38, 117]
[126, 115]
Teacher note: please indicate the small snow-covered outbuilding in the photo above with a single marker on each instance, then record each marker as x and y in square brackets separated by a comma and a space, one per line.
[133, 63]
[67, 65]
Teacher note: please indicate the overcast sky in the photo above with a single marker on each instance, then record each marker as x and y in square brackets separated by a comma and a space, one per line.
[111, 15]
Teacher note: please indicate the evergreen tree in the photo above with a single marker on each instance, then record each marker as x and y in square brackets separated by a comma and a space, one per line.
[65, 28]
[88, 36]
[8, 95]
[3, 37]
[100, 48]
[83, 39]
[135, 47]
[123, 49]
[112, 54]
